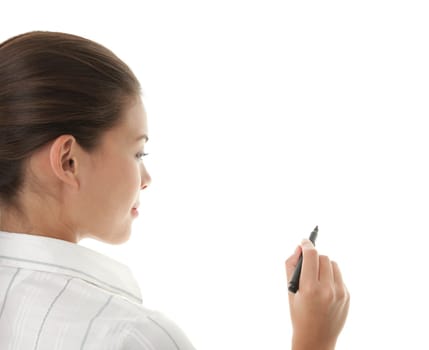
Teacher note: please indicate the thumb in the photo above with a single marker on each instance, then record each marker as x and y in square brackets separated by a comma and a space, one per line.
[292, 261]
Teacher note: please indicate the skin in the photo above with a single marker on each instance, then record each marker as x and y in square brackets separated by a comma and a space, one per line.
[319, 309]
[70, 194]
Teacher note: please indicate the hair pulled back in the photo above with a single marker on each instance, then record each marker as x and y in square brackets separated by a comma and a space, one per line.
[53, 84]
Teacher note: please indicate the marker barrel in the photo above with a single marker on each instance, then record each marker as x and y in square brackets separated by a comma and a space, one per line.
[294, 281]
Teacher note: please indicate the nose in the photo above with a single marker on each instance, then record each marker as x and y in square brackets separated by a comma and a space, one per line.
[145, 178]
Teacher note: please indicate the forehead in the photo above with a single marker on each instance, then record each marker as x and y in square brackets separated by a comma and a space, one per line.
[123, 136]
[134, 117]
[133, 124]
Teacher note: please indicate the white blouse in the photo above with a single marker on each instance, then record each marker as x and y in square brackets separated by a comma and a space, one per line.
[56, 294]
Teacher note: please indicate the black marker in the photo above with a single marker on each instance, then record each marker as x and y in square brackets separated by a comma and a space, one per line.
[294, 281]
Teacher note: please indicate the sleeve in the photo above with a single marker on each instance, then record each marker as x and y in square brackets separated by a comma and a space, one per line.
[155, 332]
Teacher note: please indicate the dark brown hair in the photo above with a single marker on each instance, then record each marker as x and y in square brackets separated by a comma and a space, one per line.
[53, 84]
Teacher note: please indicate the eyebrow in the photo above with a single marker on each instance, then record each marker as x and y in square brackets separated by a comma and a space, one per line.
[144, 136]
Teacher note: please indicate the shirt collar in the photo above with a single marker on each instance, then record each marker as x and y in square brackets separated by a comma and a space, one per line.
[58, 256]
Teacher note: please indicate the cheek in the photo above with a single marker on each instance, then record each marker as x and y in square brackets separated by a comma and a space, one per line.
[117, 185]
[126, 178]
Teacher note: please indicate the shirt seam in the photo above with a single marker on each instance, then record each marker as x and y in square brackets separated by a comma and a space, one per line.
[74, 270]
[166, 332]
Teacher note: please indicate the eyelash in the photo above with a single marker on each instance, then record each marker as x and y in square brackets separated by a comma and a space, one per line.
[140, 155]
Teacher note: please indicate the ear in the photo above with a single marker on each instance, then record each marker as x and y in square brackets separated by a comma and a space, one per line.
[63, 160]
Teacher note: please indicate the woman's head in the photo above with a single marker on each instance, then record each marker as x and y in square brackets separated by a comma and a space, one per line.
[70, 111]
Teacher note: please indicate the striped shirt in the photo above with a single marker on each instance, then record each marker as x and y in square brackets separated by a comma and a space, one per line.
[55, 294]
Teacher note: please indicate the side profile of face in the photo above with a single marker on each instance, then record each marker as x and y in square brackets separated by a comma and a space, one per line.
[74, 194]
[111, 180]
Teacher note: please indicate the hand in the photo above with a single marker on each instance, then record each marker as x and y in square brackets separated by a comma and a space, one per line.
[319, 308]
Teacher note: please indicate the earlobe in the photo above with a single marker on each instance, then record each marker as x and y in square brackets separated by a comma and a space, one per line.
[62, 160]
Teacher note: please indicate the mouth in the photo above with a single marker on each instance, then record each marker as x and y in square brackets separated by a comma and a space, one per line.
[135, 208]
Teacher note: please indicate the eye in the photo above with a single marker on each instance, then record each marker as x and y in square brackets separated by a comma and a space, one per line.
[140, 155]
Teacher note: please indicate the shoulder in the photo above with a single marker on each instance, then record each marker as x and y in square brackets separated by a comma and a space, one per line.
[154, 330]
[136, 327]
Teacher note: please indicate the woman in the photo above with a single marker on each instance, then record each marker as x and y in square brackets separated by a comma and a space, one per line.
[72, 136]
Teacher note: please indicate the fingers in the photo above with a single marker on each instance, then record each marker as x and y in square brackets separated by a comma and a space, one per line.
[310, 264]
[291, 262]
[316, 270]
[340, 287]
[338, 278]
[326, 273]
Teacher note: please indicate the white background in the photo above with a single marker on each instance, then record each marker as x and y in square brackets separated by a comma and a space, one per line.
[267, 118]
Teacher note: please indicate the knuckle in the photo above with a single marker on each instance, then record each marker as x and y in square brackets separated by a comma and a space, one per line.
[347, 296]
[324, 258]
[310, 253]
[328, 294]
[309, 291]
[341, 293]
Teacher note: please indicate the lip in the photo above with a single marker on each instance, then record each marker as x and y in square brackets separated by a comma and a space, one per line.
[135, 209]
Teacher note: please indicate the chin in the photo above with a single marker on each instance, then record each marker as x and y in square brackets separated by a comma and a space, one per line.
[119, 240]
[120, 236]
[115, 236]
